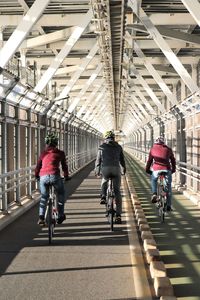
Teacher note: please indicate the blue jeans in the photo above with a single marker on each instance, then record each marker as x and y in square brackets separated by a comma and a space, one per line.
[154, 179]
[115, 172]
[58, 184]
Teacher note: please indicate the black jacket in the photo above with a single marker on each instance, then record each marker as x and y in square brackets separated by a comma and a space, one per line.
[110, 153]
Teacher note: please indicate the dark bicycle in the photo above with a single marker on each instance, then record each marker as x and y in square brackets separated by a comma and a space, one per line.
[110, 204]
[162, 194]
[51, 214]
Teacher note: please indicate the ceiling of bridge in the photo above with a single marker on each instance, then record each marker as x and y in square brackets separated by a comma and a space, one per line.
[113, 64]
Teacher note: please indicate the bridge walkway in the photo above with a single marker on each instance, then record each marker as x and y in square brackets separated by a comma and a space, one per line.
[86, 259]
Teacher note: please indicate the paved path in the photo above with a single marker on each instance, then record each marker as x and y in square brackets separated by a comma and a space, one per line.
[178, 239]
[86, 261]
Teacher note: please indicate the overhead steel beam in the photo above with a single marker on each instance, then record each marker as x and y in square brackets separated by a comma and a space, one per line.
[69, 20]
[148, 89]
[22, 31]
[89, 99]
[59, 20]
[144, 100]
[85, 88]
[156, 76]
[63, 53]
[172, 58]
[170, 33]
[193, 6]
[80, 70]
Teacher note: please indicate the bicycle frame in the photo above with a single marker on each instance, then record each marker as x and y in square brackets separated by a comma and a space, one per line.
[162, 194]
[110, 203]
[51, 213]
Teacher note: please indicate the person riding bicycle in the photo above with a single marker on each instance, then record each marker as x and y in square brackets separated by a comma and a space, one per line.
[109, 159]
[47, 171]
[161, 158]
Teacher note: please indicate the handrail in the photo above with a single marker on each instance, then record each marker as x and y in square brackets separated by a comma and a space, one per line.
[12, 181]
[184, 168]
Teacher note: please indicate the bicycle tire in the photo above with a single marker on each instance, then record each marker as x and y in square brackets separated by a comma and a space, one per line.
[110, 213]
[50, 222]
[162, 216]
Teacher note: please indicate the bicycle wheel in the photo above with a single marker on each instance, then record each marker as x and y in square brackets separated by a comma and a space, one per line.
[110, 213]
[162, 211]
[50, 222]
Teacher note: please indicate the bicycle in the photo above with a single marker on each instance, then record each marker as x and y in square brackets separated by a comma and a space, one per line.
[110, 204]
[51, 213]
[162, 194]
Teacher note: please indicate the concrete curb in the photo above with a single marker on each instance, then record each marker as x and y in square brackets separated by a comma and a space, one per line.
[161, 282]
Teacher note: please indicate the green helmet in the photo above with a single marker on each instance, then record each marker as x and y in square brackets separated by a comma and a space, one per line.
[51, 139]
[109, 134]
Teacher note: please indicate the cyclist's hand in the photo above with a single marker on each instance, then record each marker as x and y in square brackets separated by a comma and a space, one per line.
[67, 178]
[98, 175]
[124, 171]
[149, 172]
[37, 178]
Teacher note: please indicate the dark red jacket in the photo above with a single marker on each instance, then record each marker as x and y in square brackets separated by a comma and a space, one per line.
[161, 157]
[49, 162]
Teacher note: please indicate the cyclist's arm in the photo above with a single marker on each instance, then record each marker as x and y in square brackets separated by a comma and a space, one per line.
[64, 165]
[149, 162]
[122, 162]
[173, 162]
[98, 163]
[38, 166]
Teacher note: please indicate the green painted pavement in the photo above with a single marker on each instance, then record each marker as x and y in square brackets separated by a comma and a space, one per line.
[178, 239]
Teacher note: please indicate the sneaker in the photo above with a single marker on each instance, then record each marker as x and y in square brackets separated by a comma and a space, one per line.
[41, 221]
[103, 200]
[169, 208]
[61, 219]
[118, 220]
[154, 198]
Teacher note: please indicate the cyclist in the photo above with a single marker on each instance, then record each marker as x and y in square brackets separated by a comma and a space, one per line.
[47, 171]
[161, 158]
[109, 159]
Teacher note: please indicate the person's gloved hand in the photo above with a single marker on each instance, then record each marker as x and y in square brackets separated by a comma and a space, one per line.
[67, 178]
[124, 171]
[37, 178]
[149, 172]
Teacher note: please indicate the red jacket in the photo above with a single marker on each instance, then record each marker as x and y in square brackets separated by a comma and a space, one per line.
[49, 162]
[161, 157]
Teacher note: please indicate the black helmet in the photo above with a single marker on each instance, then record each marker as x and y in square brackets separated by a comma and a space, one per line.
[51, 139]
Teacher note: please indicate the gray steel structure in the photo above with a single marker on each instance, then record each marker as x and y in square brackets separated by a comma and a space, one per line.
[83, 67]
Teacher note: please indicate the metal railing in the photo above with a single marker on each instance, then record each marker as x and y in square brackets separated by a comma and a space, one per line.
[15, 185]
[188, 171]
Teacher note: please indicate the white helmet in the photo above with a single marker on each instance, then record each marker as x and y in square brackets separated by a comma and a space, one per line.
[160, 140]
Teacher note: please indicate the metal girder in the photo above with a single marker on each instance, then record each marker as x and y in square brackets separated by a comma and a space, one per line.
[148, 89]
[172, 18]
[156, 76]
[86, 86]
[48, 38]
[89, 99]
[80, 70]
[144, 100]
[68, 20]
[170, 33]
[172, 58]
[138, 103]
[21, 31]
[63, 53]
[194, 8]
